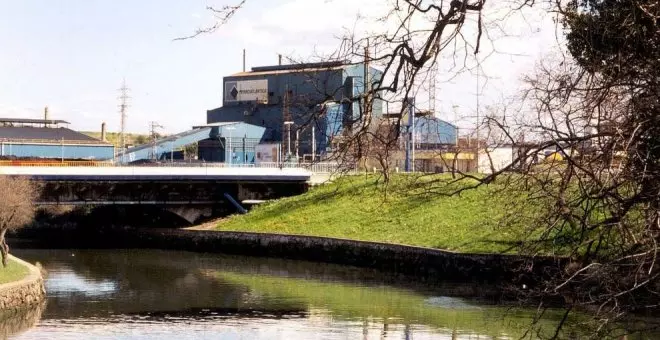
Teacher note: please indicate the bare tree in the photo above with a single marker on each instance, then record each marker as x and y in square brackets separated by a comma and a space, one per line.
[595, 110]
[16, 208]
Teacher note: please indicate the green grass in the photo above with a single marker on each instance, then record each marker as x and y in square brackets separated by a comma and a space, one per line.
[13, 272]
[409, 210]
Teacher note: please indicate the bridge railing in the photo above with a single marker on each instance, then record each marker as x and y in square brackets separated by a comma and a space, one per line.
[52, 163]
[328, 167]
[317, 167]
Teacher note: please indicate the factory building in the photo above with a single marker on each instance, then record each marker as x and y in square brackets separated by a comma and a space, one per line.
[298, 113]
[432, 133]
[434, 148]
[48, 139]
[303, 106]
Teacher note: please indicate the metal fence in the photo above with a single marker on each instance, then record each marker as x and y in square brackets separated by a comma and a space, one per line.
[328, 167]
[321, 167]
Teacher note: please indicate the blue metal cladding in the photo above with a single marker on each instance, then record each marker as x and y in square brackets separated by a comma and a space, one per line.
[241, 150]
[356, 72]
[432, 131]
[239, 130]
[334, 119]
[66, 151]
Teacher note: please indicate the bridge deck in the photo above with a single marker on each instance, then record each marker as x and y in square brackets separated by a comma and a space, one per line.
[158, 173]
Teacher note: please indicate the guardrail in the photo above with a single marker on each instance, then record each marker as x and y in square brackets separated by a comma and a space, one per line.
[312, 167]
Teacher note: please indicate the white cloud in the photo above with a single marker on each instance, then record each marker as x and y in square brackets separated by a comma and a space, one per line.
[299, 25]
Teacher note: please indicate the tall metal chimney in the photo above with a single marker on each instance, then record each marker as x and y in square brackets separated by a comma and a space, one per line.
[243, 60]
[103, 132]
[46, 118]
[279, 59]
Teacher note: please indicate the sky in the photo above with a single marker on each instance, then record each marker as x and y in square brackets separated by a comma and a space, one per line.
[72, 56]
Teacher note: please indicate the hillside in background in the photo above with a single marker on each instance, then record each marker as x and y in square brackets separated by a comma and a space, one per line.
[113, 137]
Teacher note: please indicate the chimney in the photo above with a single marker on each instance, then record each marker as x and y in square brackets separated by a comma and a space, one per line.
[46, 118]
[103, 132]
[243, 60]
[279, 57]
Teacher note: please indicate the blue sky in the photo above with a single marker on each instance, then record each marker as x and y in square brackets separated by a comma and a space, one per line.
[72, 55]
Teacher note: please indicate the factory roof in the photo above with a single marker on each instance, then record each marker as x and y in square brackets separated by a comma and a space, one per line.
[44, 135]
[216, 124]
[292, 68]
[6, 121]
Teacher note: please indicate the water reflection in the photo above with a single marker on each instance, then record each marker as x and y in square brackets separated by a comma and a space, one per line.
[145, 294]
[16, 321]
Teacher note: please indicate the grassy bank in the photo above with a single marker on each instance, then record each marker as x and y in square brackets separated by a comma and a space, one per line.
[13, 272]
[409, 210]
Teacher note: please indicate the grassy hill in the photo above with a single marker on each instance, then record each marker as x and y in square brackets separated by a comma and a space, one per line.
[410, 210]
[113, 137]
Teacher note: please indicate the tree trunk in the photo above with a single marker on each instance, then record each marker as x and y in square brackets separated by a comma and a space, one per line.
[4, 248]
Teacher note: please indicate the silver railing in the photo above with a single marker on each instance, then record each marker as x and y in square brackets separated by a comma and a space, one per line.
[316, 167]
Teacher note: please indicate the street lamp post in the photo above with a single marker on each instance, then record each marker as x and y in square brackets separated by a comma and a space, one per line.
[288, 131]
[231, 152]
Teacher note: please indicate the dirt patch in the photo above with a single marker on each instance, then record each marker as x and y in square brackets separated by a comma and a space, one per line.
[210, 225]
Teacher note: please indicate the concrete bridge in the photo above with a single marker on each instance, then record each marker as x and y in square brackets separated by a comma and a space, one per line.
[190, 192]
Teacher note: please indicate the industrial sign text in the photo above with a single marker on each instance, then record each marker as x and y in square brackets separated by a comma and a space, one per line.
[247, 91]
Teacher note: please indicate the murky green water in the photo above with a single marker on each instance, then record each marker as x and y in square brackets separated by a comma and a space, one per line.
[148, 294]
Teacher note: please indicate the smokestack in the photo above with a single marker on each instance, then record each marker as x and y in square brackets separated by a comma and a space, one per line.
[103, 132]
[46, 118]
[243, 60]
[279, 57]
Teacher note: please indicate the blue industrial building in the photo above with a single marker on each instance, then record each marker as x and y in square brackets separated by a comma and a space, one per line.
[432, 133]
[305, 105]
[47, 139]
[232, 142]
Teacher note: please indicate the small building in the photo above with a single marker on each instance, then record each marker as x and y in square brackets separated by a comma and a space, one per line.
[435, 144]
[432, 133]
[512, 157]
[231, 142]
[47, 139]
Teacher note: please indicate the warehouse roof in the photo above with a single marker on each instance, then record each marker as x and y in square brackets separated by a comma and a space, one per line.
[291, 68]
[31, 121]
[43, 135]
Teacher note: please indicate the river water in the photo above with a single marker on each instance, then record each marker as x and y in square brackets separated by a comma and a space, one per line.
[151, 294]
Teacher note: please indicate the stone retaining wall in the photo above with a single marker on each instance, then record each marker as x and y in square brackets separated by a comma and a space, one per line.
[422, 263]
[418, 263]
[27, 292]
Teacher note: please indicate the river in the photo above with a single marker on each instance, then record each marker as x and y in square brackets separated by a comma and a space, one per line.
[152, 294]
